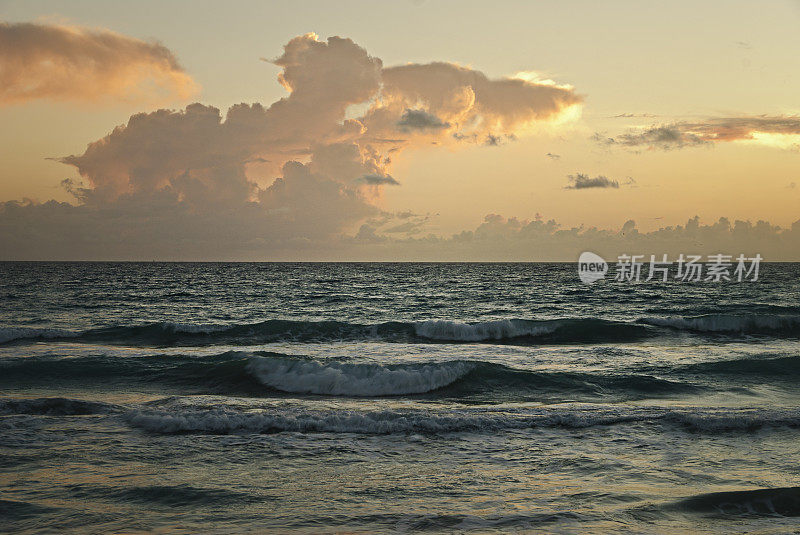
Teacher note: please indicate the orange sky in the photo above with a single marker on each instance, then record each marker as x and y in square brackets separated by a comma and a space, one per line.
[677, 109]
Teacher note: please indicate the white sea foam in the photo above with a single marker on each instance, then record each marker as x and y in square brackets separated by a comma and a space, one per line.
[345, 379]
[485, 330]
[7, 334]
[729, 323]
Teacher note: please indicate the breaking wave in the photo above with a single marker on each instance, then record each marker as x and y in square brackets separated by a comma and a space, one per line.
[266, 373]
[344, 379]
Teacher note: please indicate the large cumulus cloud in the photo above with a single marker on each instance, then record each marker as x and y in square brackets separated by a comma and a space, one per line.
[260, 178]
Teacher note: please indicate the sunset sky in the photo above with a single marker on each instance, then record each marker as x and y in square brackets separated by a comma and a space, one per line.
[407, 130]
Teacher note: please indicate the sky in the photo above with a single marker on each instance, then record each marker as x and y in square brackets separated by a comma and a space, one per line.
[424, 130]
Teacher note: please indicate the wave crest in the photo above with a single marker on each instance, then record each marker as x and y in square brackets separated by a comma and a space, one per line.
[344, 379]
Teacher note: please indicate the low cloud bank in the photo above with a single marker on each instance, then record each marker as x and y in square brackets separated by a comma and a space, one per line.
[510, 239]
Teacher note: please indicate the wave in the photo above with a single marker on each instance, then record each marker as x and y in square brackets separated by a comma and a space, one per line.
[778, 367]
[478, 332]
[506, 331]
[222, 373]
[783, 501]
[731, 323]
[733, 421]
[453, 378]
[223, 419]
[378, 422]
[10, 334]
[265, 373]
[575, 330]
[54, 407]
[13, 510]
[515, 331]
[345, 379]
[417, 421]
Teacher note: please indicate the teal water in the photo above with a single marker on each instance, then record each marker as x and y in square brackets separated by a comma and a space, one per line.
[395, 397]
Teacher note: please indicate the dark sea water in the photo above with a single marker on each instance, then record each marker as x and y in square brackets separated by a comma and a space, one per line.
[395, 397]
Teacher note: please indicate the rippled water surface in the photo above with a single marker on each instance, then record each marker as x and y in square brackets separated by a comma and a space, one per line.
[395, 397]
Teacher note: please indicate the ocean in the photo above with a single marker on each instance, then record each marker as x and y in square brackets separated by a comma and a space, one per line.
[380, 397]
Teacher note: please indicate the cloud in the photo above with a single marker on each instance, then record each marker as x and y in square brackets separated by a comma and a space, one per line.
[582, 181]
[60, 62]
[420, 119]
[473, 105]
[379, 180]
[493, 140]
[295, 175]
[662, 137]
[388, 227]
[777, 131]
[632, 115]
[499, 238]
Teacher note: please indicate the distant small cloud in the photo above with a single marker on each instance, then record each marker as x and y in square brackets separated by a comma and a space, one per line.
[632, 115]
[743, 44]
[406, 228]
[664, 137]
[553, 156]
[420, 120]
[582, 181]
[378, 180]
[780, 131]
[492, 140]
[377, 229]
